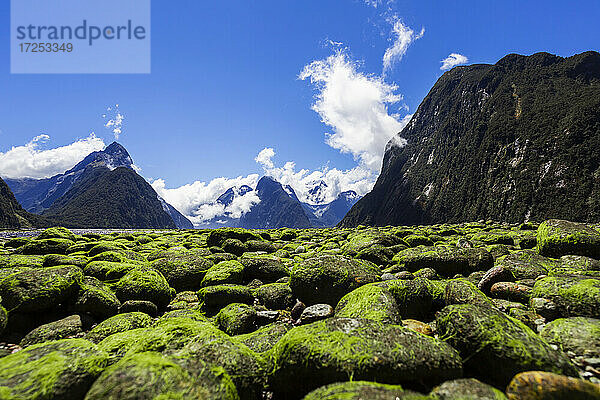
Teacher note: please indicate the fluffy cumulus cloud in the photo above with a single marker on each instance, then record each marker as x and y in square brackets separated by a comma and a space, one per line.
[355, 106]
[33, 161]
[197, 200]
[401, 37]
[452, 61]
[265, 156]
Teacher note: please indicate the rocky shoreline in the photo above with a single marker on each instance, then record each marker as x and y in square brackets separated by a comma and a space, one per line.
[477, 310]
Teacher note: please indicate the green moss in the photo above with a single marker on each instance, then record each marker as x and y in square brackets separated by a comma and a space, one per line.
[573, 296]
[144, 284]
[216, 297]
[57, 233]
[118, 323]
[107, 270]
[224, 272]
[556, 238]
[151, 375]
[184, 270]
[264, 338]
[370, 302]
[59, 369]
[17, 261]
[275, 296]
[413, 297]
[580, 335]
[362, 390]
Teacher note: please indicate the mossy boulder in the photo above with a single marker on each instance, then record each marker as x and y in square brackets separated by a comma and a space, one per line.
[144, 284]
[527, 264]
[466, 389]
[236, 319]
[57, 233]
[96, 248]
[36, 290]
[234, 246]
[370, 302]
[53, 260]
[168, 334]
[20, 261]
[118, 323]
[46, 246]
[414, 298]
[217, 297]
[144, 306]
[62, 369]
[361, 390]
[358, 241]
[580, 335]
[56, 330]
[264, 338]
[223, 273]
[275, 296]
[557, 238]
[151, 375]
[108, 270]
[445, 260]
[377, 255]
[95, 298]
[183, 271]
[340, 349]
[573, 296]
[216, 237]
[461, 291]
[327, 278]
[246, 368]
[539, 385]
[264, 268]
[494, 346]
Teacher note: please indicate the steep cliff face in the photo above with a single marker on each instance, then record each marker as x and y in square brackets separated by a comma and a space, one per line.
[12, 215]
[513, 141]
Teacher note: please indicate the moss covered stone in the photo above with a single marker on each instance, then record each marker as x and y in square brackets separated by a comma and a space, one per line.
[185, 270]
[217, 297]
[358, 241]
[144, 284]
[107, 270]
[445, 260]
[466, 389]
[573, 296]
[580, 335]
[223, 273]
[275, 296]
[557, 238]
[37, 290]
[118, 323]
[218, 236]
[95, 298]
[56, 330]
[20, 261]
[236, 319]
[414, 298]
[327, 278]
[46, 246]
[264, 338]
[371, 302]
[267, 268]
[527, 264]
[63, 369]
[362, 390]
[150, 375]
[57, 233]
[53, 260]
[101, 247]
[340, 349]
[461, 291]
[494, 346]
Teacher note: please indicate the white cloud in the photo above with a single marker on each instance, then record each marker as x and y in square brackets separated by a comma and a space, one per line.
[402, 37]
[373, 3]
[197, 200]
[452, 61]
[115, 121]
[265, 156]
[355, 106]
[30, 161]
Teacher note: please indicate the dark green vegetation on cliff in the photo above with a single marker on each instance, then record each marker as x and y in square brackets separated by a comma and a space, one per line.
[12, 214]
[460, 311]
[513, 141]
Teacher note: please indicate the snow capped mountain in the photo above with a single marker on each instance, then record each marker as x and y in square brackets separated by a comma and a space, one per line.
[317, 194]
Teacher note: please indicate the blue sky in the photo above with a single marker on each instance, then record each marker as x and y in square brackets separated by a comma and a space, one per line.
[224, 82]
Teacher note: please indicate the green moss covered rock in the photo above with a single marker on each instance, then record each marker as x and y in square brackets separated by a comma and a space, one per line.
[264, 338]
[63, 369]
[236, 319]
[461, 291]
[327, 278]
[370, 302]
[466, 389]
[150, 375]
[56, 330]
[20, 261]
[264, 268]
[580, 335]
[53, 260]
[414, 298]
[223, 273]
[37, 290]
[144, 284]
[217, 297]
[275, 296]
[557, 238]
[108, 270]
[95, 298]
[183, 271]
[57, 233]
[46, 246]
[340, 349]
[495, 346]
[573, 296]
[118, 323]
[445, 260]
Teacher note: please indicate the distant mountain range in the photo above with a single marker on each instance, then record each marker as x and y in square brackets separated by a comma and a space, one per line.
[101, 191]
[514, 141]
[12, 215]
[279, 206]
